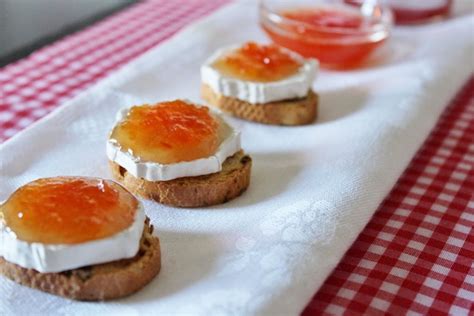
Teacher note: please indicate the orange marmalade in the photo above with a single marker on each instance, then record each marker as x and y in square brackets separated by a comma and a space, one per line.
[338, 37]
[168, 132]
[69, 210]
[260, 63]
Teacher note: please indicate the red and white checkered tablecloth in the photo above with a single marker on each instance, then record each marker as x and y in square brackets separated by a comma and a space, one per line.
[416, 256]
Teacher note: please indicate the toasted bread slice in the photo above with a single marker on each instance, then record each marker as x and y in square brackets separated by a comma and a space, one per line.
[287, 112]
[211, 189]
[96, 282]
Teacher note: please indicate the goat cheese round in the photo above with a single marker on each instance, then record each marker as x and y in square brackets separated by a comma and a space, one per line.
[155, 171]
[27, 245]
[291, 87]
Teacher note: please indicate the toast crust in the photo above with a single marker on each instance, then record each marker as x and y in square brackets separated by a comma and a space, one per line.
[205, 190]
[287, 112]
[96, 282]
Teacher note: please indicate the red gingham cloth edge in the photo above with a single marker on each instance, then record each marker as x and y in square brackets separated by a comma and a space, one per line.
[416, 254]
[32, 87]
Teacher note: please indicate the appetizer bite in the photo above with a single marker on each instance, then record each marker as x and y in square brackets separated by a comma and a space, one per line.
[178, 153]
[262, 83]
[77, 237]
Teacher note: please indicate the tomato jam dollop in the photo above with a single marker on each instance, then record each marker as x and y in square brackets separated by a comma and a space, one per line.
[260, 63]
[69, 210]
[168, 132]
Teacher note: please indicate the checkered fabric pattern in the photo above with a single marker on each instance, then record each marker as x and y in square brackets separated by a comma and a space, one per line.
[415, 256]
[32, 87]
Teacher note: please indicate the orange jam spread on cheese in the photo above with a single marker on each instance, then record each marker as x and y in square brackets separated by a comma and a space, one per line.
[254, 62]
[168, 132]
[69, 210]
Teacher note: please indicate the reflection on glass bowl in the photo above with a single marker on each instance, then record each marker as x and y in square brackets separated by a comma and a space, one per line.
[337, 33]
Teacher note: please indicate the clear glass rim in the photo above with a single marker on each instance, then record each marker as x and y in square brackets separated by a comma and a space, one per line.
[385, 23]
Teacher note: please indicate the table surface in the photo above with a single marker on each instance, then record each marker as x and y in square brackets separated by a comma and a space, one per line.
[27, 25]
[415, 255]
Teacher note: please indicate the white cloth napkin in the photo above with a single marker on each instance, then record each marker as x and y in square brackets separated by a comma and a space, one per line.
[313, 188]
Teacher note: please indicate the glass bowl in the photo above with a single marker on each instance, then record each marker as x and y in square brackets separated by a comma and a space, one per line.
[413, 12]
[337, 33]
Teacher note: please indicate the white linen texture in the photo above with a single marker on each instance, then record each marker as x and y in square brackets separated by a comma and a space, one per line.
[313, 188]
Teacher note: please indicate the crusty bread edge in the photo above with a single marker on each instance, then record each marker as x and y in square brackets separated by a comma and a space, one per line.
[98, 282]
[287, 112]
[197, 191]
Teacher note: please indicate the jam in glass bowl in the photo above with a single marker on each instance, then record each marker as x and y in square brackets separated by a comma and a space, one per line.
[335, 32]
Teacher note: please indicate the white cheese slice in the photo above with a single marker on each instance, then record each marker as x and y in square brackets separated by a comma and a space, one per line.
[154, 171]
[295, 86]
[50, 258]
